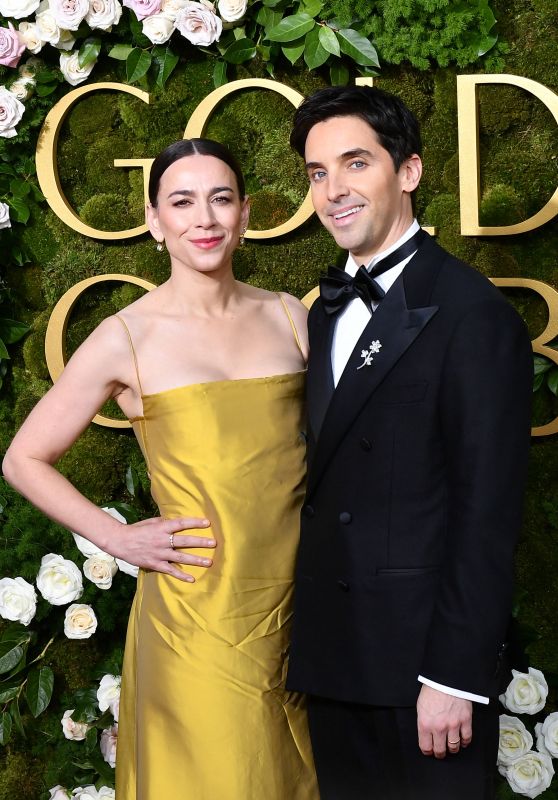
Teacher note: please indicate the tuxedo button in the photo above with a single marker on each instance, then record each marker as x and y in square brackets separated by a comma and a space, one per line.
[366, 444]
[308, 511]
[343, 585]
[345, 517]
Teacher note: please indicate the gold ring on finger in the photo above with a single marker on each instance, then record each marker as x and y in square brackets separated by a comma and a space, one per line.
[171, 540]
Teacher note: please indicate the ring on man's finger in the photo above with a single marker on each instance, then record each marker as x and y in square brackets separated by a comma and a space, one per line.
[450, 741]
[171, 540]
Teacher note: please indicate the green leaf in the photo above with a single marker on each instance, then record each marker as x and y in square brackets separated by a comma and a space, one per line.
[538, 382]
[137, 64]
[3, 351]
[3, 504]
[10, 655]
[46, 76]
[486, 43]
[8, 694]
[329, 41]
[357, 47]
[338, 74]
[541, 364]
[314, 53]
[5, 727]
[6, 169]
[220, 74]
[44, 89]
[267, 17]
[16, 717]
[20, 208]
[89, 51]
[311, 7]
[552, 381]
[291, 28]
[240, 51]
[166, 62]
[12, 331]
[20, 188]
[132, 481]
[120, 51]
[294, 50]
[16, 634]
[272, 3]
[38, 690]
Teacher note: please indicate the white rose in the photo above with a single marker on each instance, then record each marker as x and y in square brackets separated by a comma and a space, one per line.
[103, 14]
[85, 793]
[530, 774]
[59, 580]
[11, 112]
[69, 13]
[108, 694]
[232, 10]
[515, 740]
[30, 36]
[80, 621]
[547, 735]
[18, 600]
[65, 41]
[198, 23]
[5, 220]
[108, 743]
[526, 693]
[71, 70]
[58, 793]
[46, 24]
[76, 731]
[30, 67]
[22, 88]
[106, 791]
[170, 8]
[129, 569]
[158, 28]
[17, 9]
[100, 569]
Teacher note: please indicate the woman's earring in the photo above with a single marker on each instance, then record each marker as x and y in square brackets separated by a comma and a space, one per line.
[160, 246]
[241, 240]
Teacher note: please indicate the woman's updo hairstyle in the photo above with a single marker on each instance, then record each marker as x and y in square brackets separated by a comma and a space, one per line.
[191, 147]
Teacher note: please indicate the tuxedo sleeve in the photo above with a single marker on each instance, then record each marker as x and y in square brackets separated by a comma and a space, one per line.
[485, 401]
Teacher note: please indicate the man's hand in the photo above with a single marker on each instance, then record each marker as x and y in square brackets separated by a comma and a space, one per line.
[443, 722]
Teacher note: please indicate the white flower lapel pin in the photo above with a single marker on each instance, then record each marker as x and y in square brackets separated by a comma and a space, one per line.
[368, 355]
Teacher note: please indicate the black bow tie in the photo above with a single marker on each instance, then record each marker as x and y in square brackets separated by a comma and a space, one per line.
[337, 289]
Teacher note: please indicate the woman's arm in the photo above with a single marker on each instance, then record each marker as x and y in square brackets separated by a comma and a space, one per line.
[99, 369]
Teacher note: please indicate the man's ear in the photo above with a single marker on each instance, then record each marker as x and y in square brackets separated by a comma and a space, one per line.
[410, 173]
[152, 219]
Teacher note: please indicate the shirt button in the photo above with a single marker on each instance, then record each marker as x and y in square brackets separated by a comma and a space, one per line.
[345, 517]
[366, 444]
[308, 511]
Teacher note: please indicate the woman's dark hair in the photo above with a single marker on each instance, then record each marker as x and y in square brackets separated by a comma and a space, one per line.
[395, 125]
[191, 147]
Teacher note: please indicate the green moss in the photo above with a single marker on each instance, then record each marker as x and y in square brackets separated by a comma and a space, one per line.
[501, 205]
[34, 348]
[20, 776]
[107, 212]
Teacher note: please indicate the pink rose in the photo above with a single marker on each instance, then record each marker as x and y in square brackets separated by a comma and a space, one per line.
[143, 8]
[109, 738]
[11, 46]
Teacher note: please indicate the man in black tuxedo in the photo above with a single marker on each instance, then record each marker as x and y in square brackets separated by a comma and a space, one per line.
[419, 386]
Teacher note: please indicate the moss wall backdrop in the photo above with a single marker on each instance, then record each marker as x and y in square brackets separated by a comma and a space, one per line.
[519, 146]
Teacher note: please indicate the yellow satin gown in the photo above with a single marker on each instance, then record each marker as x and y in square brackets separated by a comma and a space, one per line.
[204, 714]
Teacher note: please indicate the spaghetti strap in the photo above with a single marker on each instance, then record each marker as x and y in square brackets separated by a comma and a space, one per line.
[291, 320]
[133, 352]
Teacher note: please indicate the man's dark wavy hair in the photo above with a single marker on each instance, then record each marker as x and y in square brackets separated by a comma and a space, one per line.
[395, 125]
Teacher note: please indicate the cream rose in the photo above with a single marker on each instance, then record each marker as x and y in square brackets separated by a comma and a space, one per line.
[30, 36]
[59, 580]
[46, 24]
[80, 621]
[11, 46]
[158, 28]
[170, 8]
[22, 88]
[30, 67]
[18, 600]
[129, 569]
[103, 14]
[65, 41]
[198, 23]
[5, 223]
[143, 8]
[85, 793]
[530, 774]
[547, 735]
[109, 738]
[58, 793]
[68, 14]
[17, 9]
[515, 740]
[526, 692]
[108, 694]
[106, 792]
[11, 112]
[71, 70]
[100, 569]
[76, 731]
[232, 10]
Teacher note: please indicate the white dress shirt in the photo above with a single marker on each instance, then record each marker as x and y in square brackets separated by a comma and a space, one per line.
[348, 329]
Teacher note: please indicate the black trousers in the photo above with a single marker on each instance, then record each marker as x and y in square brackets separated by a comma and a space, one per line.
[371, 753]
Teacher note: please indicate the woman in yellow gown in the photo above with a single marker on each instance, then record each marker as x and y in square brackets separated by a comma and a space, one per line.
[211, 373]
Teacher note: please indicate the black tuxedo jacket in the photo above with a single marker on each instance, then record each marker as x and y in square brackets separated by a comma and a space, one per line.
[416, 470]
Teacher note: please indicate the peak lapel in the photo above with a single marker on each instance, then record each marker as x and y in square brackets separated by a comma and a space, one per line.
[395, 327]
